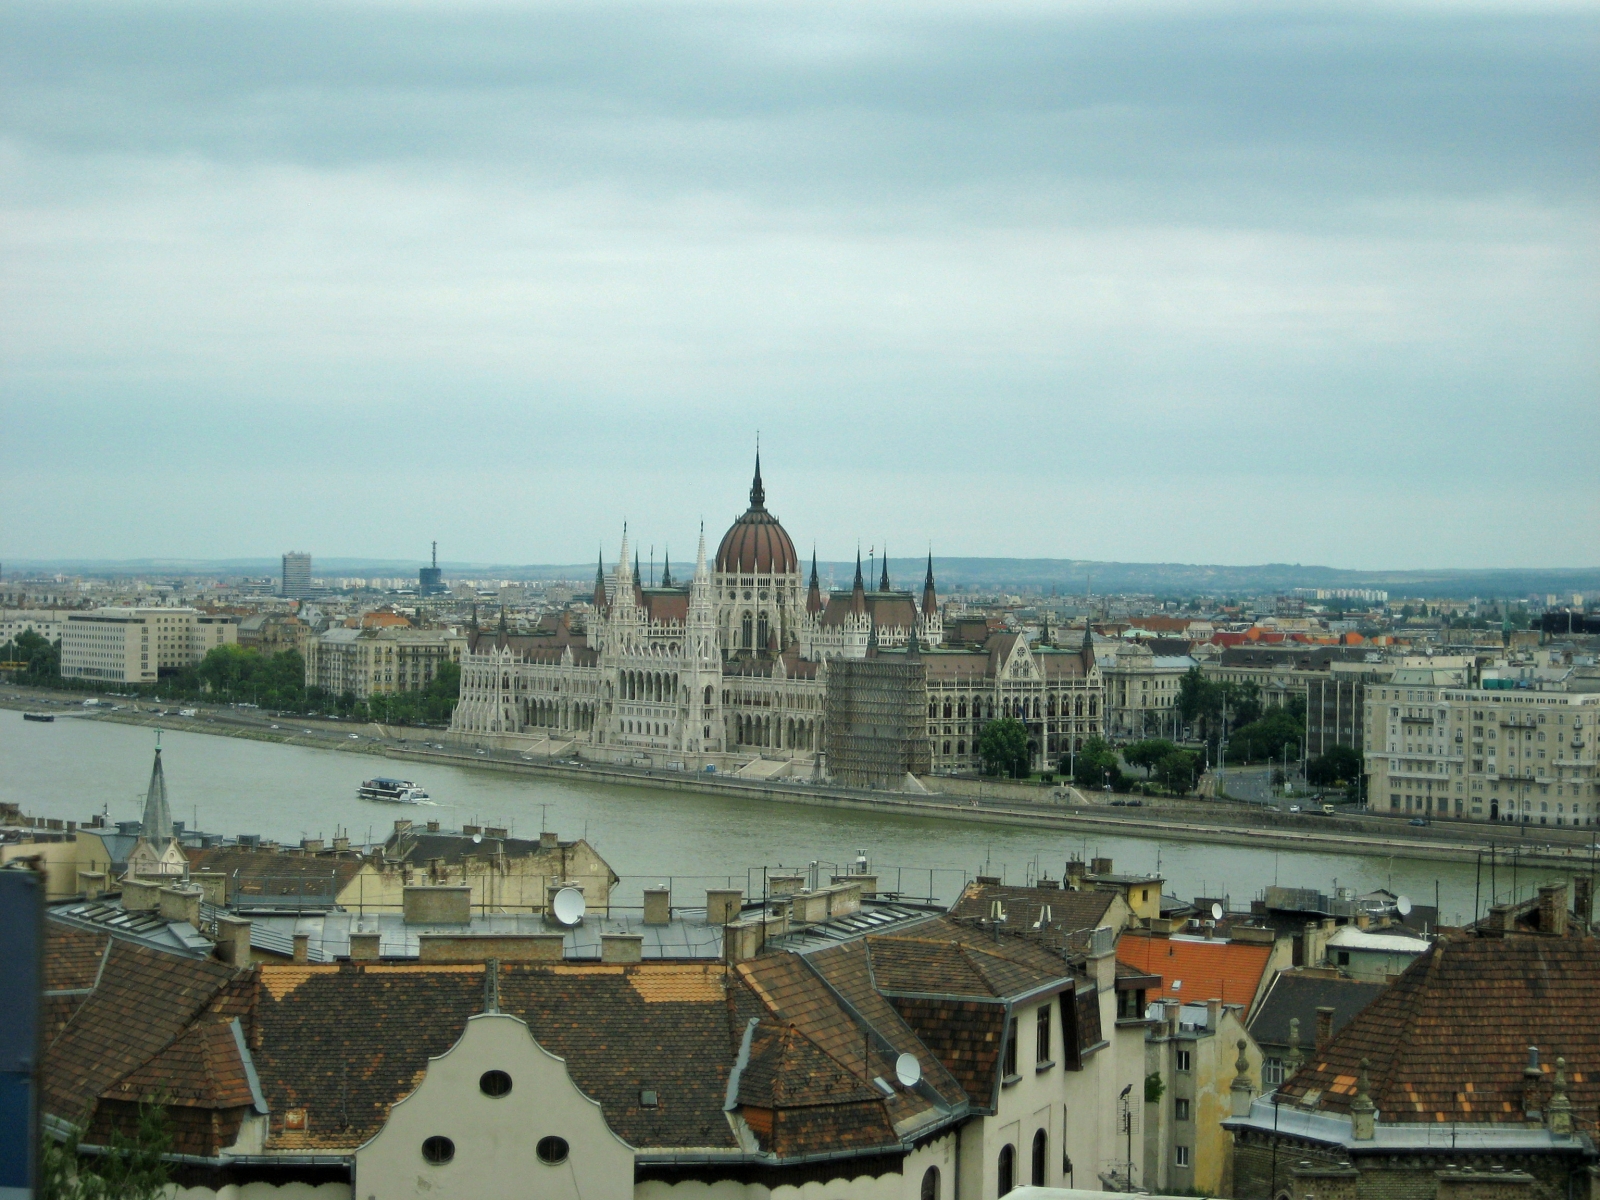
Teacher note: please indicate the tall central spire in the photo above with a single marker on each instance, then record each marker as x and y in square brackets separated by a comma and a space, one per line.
[883, 583]
[157, 824]
[758, 494]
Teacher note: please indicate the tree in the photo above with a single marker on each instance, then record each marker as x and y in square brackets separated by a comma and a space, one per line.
[1003, 746]
[132, 1168]
[1267, 737]
[1338, 764]
[1178, 771]
[1147, 754]
[1095, 765]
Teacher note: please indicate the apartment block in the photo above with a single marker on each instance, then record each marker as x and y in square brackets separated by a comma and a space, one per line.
[136, 645]
[1438, 750]
[48, 623]
[369, 661]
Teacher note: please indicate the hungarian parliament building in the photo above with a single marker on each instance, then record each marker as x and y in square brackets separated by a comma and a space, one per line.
[743, 667]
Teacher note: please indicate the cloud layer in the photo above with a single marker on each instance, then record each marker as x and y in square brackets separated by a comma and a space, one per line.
[1103, 281]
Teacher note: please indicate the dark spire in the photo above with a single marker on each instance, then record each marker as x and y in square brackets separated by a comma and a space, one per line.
[637, 580]
[858, 586]
[814, 592]
[502, 622]
[858, 590]
[474, 616]
[930, 598]
[666, 568]
[1088, 636]
[600, 582]
[758, 494]
[157, 825]
[883, 581]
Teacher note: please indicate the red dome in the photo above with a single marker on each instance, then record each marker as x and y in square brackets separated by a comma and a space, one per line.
[757, 544]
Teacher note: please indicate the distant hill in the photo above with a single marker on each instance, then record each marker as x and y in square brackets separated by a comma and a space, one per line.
[1062, 576]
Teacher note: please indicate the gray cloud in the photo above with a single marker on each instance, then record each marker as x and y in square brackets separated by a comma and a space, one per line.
[1108, 281]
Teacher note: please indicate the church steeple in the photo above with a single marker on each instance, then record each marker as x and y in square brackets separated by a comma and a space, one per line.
[858, 589]
[157, 825]
[883, 581]
[930, 598]
[600, 582]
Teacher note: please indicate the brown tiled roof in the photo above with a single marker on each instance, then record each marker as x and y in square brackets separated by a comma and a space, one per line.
[956, 664]
[892, 610]
[945, 957]
[1071, 912]
[667, 604]
[258, 872]
[965, 1035]
[662, 1027]
[1448, 1040]
[145, 999]
[756, 544]
[72, 956]
[201, 1069]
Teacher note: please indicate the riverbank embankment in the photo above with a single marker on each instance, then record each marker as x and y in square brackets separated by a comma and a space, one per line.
[1065, 811]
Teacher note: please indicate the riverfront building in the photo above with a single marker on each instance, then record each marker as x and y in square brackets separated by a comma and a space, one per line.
[138, 645]
[731, 669]
[1436, 749]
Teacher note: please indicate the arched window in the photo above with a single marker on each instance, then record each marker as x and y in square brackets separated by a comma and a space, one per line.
[961, 709]
[1040, 1146]
[947, 710]
[762, 631]
[746, 629]
[930, 1184]
[708, 699]
[1008, 1169]
[961, 747]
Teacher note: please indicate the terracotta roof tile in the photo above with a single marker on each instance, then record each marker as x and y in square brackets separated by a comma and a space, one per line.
[1448, 1040]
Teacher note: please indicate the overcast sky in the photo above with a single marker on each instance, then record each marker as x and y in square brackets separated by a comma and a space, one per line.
[1217, 283]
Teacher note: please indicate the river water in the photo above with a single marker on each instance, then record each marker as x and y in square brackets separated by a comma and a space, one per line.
[73, 768]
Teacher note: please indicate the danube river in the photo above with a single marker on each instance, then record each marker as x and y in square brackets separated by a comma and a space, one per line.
[74, 768]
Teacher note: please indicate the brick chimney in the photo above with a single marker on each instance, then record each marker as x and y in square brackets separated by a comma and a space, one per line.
[233, 941]
[1553, 909]
[363, 945]
[549, 841]
[1324, 1026]
[1583, 901]
[657, 906]
[302, 947]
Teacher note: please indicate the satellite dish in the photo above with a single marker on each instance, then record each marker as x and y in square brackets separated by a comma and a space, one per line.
[908, 1070]
[568, 906]
[476, 838]
[1216, 912]
[1403, 906]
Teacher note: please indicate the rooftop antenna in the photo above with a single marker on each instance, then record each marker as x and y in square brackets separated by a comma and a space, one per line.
[436, 555]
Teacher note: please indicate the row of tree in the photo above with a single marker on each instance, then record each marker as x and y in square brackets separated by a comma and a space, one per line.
[243, 674]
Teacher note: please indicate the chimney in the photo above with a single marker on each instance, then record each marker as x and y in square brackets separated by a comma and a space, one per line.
[302, 947]
[621, 947]
[433, 827]
[179, 903]
[311, 845]
[469, 830]
[91, 884]
[723, 905]
[1213, 1013]
[549, 841]
[436, 905]
[213, 887]
[1499, 920]
[495, 831]
[1100, 866]
[233, 940]
[1532, 1079]
[1553, 909]
[341, 843]
[1074, 874]
[1363, 920]
[1324, 1026]
[402, 826]
[138, 896]
[657, 906]
[363, 945]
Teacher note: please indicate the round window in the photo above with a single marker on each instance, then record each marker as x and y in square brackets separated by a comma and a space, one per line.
[551, 1150]
[747, 594]
[494, 1083]
[438, 1150]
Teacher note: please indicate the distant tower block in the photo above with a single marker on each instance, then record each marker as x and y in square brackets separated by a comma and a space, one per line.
[430, 580]
[296, 575]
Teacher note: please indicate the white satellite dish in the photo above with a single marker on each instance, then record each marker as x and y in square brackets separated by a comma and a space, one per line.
[1216, 912]
[1402, 905]
[568, 906]
[908, 1070]
[476, 838]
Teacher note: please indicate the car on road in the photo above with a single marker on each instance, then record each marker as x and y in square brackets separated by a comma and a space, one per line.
[1416, 821]
[1294, 808]
[355, 737]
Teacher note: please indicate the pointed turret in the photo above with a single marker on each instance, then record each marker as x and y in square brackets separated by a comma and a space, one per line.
[858, 589]
[814, 591]
[930, 598]
[883, 580]
[666, 568]
[600, 582]
[157, 827]
[701, 571]
[758, 494]
[503, 629]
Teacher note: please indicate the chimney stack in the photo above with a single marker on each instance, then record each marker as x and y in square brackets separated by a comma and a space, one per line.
[657, 906]
[363, 945]
[549, 841]
[1553, 909]
[302, 947]
[1324, 1026]
[233, 941]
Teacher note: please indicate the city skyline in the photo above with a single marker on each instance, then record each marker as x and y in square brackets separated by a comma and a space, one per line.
[1136, 283]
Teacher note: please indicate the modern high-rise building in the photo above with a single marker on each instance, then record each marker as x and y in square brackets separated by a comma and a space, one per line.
[430, 580]
[296, 575]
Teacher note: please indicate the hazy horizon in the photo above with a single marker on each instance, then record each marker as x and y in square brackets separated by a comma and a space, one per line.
[1232, 284]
